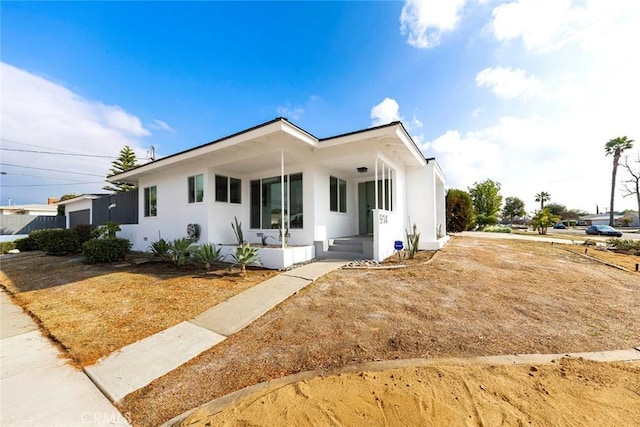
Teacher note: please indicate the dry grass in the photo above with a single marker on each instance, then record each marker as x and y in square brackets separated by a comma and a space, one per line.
[623, 260]
[93, 310]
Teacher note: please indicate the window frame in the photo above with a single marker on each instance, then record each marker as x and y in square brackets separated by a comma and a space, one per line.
[256, 206]
[339, 205]
[192, 189]
[150, 211]
[228, 193]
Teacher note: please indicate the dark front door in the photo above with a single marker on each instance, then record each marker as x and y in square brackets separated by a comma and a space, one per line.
[366, 202]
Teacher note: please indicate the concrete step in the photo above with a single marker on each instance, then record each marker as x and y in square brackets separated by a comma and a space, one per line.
[346, 248]
[350, 256]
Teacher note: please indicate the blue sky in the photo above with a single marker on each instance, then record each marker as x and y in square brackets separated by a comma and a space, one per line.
[525, 92]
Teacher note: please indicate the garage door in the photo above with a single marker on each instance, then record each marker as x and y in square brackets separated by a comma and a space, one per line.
[79, 217]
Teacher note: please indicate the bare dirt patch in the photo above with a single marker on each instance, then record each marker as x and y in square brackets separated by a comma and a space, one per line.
[475, 297]
[446, 395]
[92, 310]
[623, 260]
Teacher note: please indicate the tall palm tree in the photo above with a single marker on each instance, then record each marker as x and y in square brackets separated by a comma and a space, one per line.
[542, 197]
[615, 147]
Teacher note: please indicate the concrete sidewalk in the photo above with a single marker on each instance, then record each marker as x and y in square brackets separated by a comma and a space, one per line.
[37, 386]
[138, 364]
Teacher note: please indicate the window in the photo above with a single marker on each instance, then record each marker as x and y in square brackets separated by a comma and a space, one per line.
[150, 201]
[337, 194]
[228, 190]
[266, 202]
[222, 183]
[196, 188]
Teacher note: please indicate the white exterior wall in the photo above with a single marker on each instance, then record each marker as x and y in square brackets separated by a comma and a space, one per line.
[329, 224]
[174, 212]
[426, 205]
[80, 205]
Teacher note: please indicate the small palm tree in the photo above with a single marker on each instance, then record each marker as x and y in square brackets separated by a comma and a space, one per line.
[542, 197]
[615, 147]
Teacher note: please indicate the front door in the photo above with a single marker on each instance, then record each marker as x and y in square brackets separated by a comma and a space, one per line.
[366, 202]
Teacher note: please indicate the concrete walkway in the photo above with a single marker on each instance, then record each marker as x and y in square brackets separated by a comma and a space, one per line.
[138, 364]
[37, 386]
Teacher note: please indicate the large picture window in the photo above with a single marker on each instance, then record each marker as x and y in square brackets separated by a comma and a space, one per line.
[195, 188]
[150, 201]
[266, 202]
[228, 190]
[337, 194]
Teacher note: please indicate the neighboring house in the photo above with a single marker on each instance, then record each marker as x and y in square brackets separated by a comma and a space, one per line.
[603, 219]
[17, 221]
[97, 209]
[373, 183]
[37, 210]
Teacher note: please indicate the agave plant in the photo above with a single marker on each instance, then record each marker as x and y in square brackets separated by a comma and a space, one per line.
[206, 254]
[180, 251]
[160, 249]
[237, 230]
[245, 255]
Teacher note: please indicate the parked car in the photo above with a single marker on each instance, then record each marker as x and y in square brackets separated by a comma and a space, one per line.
[603, 230]
[559, 226]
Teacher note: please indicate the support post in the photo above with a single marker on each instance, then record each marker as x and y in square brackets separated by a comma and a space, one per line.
[284, 237]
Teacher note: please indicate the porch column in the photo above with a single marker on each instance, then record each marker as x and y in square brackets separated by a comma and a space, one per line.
[282, 198]
[376, 183]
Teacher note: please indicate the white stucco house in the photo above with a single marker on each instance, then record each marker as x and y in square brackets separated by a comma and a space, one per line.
[357, 192]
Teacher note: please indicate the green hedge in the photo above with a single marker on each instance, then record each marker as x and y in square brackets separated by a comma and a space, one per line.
[57, 241]
[7, 246]
[86, 232]
[27, 244]
[105, 250]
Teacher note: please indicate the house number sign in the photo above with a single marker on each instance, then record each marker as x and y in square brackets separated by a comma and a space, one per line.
[384, 219]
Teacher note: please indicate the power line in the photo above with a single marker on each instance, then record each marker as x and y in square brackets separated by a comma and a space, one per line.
[50, 170]
[51, 185]
[32, 176]
[57, 153]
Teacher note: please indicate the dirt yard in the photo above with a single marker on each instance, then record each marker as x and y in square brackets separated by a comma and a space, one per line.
[92, 310]
[475, 297]
[447, 395]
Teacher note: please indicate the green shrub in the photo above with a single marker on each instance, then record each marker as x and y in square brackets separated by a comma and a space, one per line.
[497, 229]
[486, 220]
[58, 241]
[7, 246]
[108, 230]
[180, 251]
[245, 255]
[86, 232]
[206, 254]
[625, 244]
[161, 249]
[105, 250]
[27, 244]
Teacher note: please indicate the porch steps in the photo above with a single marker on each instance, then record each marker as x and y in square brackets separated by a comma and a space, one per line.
[346, 248]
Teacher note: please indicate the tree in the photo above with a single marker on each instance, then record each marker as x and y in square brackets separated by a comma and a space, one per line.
[62, 199]
[543, 219]
[632, 186]
[556, 208]
[513, 208]
[615, 147]
[126, 160]
[542, 197]
[460, 215]
[486, 201]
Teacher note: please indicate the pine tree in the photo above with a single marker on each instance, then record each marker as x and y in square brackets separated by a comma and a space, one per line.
[126, 160]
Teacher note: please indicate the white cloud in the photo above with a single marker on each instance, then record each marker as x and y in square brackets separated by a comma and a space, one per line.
[386, 111]
[509, 83]
[40, 115]
[545, 25]
[290, 113]
[161, 125]
[424, 21]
